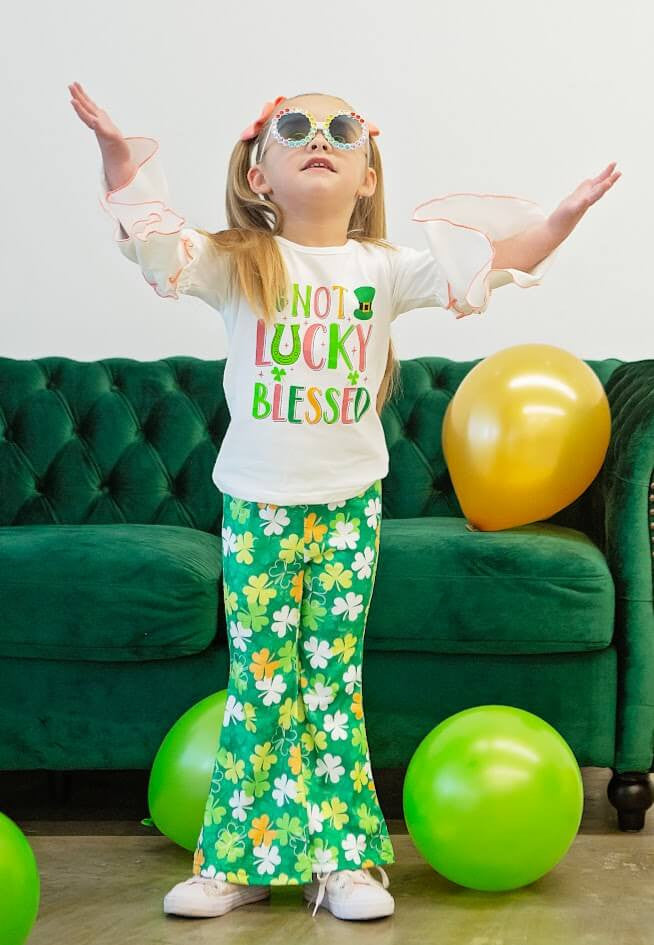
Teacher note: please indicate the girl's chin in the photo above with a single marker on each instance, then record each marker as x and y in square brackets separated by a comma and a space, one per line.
[318, 180]
[313, 195]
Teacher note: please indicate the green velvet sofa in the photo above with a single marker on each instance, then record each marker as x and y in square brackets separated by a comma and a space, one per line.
[112, 620]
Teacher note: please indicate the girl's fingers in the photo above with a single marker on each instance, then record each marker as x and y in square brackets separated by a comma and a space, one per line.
[84, 115]
[601, 188]
[610, 181]
[75, 92]
[87, 101]
[607, 170]
[89, 118]
[81, 94]
[81, 110]
[87, 98]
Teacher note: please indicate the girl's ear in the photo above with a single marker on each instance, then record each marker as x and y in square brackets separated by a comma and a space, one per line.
[257, 180]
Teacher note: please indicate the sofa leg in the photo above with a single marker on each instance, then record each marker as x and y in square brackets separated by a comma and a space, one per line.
[631, 795]
[59, 784]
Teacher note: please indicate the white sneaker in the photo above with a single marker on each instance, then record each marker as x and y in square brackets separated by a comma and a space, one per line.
[206, 896]
[351, 894]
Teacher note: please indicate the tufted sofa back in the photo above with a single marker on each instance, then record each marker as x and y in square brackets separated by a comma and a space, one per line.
[121, 440]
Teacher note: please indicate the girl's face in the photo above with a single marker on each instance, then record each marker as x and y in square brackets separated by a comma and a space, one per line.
[281, 171]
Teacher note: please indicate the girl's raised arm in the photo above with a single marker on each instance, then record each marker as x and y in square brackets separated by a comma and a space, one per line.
[173, 257]
[461, 230]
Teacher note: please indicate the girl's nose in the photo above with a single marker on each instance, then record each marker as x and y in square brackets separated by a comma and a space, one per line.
[319, 141]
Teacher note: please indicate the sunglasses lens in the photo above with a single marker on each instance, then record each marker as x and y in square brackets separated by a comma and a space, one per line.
[293, 126]
[345, 130]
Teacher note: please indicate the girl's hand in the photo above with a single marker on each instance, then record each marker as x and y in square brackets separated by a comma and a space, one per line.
[109, 137]
[572, 208]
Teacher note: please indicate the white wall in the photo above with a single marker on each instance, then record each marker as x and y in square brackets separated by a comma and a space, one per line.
[503, 97]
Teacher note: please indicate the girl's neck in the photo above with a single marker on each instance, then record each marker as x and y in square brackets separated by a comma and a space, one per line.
[314, 233]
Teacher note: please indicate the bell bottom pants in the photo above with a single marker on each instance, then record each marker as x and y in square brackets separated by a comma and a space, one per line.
[292, 790]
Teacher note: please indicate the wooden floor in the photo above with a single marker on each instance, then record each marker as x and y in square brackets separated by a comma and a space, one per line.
[103, 880]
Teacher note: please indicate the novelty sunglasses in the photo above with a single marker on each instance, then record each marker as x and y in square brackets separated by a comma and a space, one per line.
[295, 127]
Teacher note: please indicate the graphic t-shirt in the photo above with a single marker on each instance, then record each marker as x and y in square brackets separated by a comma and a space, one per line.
[302, 392]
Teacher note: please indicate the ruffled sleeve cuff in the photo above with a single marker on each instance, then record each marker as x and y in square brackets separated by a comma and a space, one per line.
[141, 205]
[459, 230]
[173, 257]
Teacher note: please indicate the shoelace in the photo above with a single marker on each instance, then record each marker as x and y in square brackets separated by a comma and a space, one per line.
[349, 877]
[215, 887]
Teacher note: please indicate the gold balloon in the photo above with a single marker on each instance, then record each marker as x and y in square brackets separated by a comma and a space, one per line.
[524, 435]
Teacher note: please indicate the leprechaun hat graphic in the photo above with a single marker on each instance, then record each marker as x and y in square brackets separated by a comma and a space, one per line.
[365, 294]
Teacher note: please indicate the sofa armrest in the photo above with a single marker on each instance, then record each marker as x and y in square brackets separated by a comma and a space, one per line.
[627, 491]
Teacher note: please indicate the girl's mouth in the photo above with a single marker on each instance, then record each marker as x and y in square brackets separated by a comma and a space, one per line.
[318, 164]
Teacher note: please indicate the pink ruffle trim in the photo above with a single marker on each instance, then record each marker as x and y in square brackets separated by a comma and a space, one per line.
[460, 229]
[132, 206]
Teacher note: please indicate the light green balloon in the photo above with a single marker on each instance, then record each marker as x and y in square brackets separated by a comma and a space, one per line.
[20, 884]
[181, 772]
[493, 797]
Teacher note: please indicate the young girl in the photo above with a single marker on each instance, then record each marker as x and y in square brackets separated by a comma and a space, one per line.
[307, 286]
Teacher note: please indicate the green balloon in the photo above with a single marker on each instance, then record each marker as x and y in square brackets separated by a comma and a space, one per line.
[493, 797]
[182, 768]
[20, 885]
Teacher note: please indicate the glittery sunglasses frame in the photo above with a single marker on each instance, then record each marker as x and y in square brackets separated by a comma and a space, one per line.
[315, 127]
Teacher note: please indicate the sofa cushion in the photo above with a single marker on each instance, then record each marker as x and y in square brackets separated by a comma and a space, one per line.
[537, 588]
[108, 592]
[134, 592]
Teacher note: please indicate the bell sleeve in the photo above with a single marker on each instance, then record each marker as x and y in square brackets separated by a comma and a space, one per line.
[417, 280]
[174, 258]
[460, 228]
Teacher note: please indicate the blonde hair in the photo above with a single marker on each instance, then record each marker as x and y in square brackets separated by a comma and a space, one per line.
[257, 263]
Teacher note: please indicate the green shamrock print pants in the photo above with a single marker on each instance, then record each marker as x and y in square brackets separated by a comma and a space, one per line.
[292, 790]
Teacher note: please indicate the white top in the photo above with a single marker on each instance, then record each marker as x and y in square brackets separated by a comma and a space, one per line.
[301, 395]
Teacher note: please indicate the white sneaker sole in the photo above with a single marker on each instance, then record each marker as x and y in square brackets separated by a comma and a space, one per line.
[361, 909]
[175, 905]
